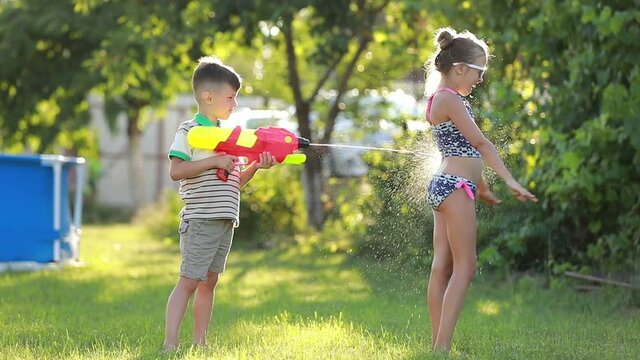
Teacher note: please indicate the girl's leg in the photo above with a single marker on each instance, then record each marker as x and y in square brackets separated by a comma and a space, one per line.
[176, 307]
[202, 308]
[441, 270]
[460, 215]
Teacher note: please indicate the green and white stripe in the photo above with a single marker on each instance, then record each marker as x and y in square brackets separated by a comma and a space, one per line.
[205, 195]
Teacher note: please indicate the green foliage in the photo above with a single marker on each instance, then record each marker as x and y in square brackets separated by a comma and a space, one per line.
[161, 220]
[96, 213]
[561, 102]
[347, 221]
[271, 210]
[401, 222]
[272, 207]
[563, 90]
[43, 93]
[141, 59]
[505, 239]
[589, 161]
[325, 38]
[57, 52]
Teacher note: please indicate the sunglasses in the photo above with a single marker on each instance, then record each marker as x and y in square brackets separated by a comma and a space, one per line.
[472, 66]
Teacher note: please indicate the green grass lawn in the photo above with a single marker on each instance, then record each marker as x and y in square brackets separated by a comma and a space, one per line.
[292, 305]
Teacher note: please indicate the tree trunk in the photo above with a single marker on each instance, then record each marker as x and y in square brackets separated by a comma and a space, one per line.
[313, 176]
[313, 189]
[313, 180]
[136, 158]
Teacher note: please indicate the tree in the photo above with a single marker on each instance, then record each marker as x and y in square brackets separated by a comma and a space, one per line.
[142, 63]
[137, 54]
[323, 46]
[566, 80]
[42, 91]
[132, 53]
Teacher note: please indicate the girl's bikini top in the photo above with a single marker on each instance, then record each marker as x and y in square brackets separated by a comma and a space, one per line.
[449, 139]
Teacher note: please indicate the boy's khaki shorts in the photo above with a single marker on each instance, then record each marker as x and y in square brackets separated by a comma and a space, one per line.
[205, 245]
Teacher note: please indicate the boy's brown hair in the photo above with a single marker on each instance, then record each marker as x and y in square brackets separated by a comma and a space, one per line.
[210, 71]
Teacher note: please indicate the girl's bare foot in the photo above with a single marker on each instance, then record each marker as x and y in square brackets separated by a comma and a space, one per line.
[441, 349]
[168, 349]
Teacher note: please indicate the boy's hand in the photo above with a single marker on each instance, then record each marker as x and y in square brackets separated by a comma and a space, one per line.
[226, 162]
[520, 192]
[266, 160]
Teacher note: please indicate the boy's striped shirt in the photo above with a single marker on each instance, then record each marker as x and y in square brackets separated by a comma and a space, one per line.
[205, 196]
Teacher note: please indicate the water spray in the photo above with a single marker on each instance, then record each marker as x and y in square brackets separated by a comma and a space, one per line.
[249, 144]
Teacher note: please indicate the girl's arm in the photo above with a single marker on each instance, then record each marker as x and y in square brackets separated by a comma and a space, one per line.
[456, 111]
[485, 194]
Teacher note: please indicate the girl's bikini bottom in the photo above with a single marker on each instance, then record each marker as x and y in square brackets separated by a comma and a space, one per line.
[443, 185]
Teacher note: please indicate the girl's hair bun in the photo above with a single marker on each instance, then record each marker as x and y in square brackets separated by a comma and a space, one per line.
[445, 37]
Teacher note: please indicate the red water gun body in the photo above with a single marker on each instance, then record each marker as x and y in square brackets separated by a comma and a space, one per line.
[249, 144]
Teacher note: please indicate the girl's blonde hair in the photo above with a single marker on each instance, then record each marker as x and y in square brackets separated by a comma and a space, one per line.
[451, 47]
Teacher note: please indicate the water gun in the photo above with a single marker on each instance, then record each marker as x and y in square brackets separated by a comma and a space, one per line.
[249, 144]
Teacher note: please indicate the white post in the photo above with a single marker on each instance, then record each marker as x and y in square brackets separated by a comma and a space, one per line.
[57, 174]
[80, 172]
[77, 210]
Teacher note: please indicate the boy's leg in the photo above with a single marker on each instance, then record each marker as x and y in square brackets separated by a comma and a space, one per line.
[460, 215]
[202, 308]
[203, 303]
[176, 307]
[441, 270]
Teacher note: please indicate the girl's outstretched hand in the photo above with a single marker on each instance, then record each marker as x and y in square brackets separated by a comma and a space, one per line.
[486, 196]
[520, 192]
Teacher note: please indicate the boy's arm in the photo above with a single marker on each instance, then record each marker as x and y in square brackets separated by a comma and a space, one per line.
[182, 166]
[181, 169]
[266, 161]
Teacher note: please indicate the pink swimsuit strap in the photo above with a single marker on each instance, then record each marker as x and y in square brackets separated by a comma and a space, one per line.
[430, 100]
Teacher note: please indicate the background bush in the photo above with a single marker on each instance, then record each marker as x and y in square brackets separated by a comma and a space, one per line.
[401, 223]
[271, 210]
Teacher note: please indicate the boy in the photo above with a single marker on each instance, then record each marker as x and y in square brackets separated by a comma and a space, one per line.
[211, 205]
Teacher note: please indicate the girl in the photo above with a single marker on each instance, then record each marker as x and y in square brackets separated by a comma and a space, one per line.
[457, 67]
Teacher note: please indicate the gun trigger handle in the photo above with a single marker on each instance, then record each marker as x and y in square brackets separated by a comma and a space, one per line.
[223, 174]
